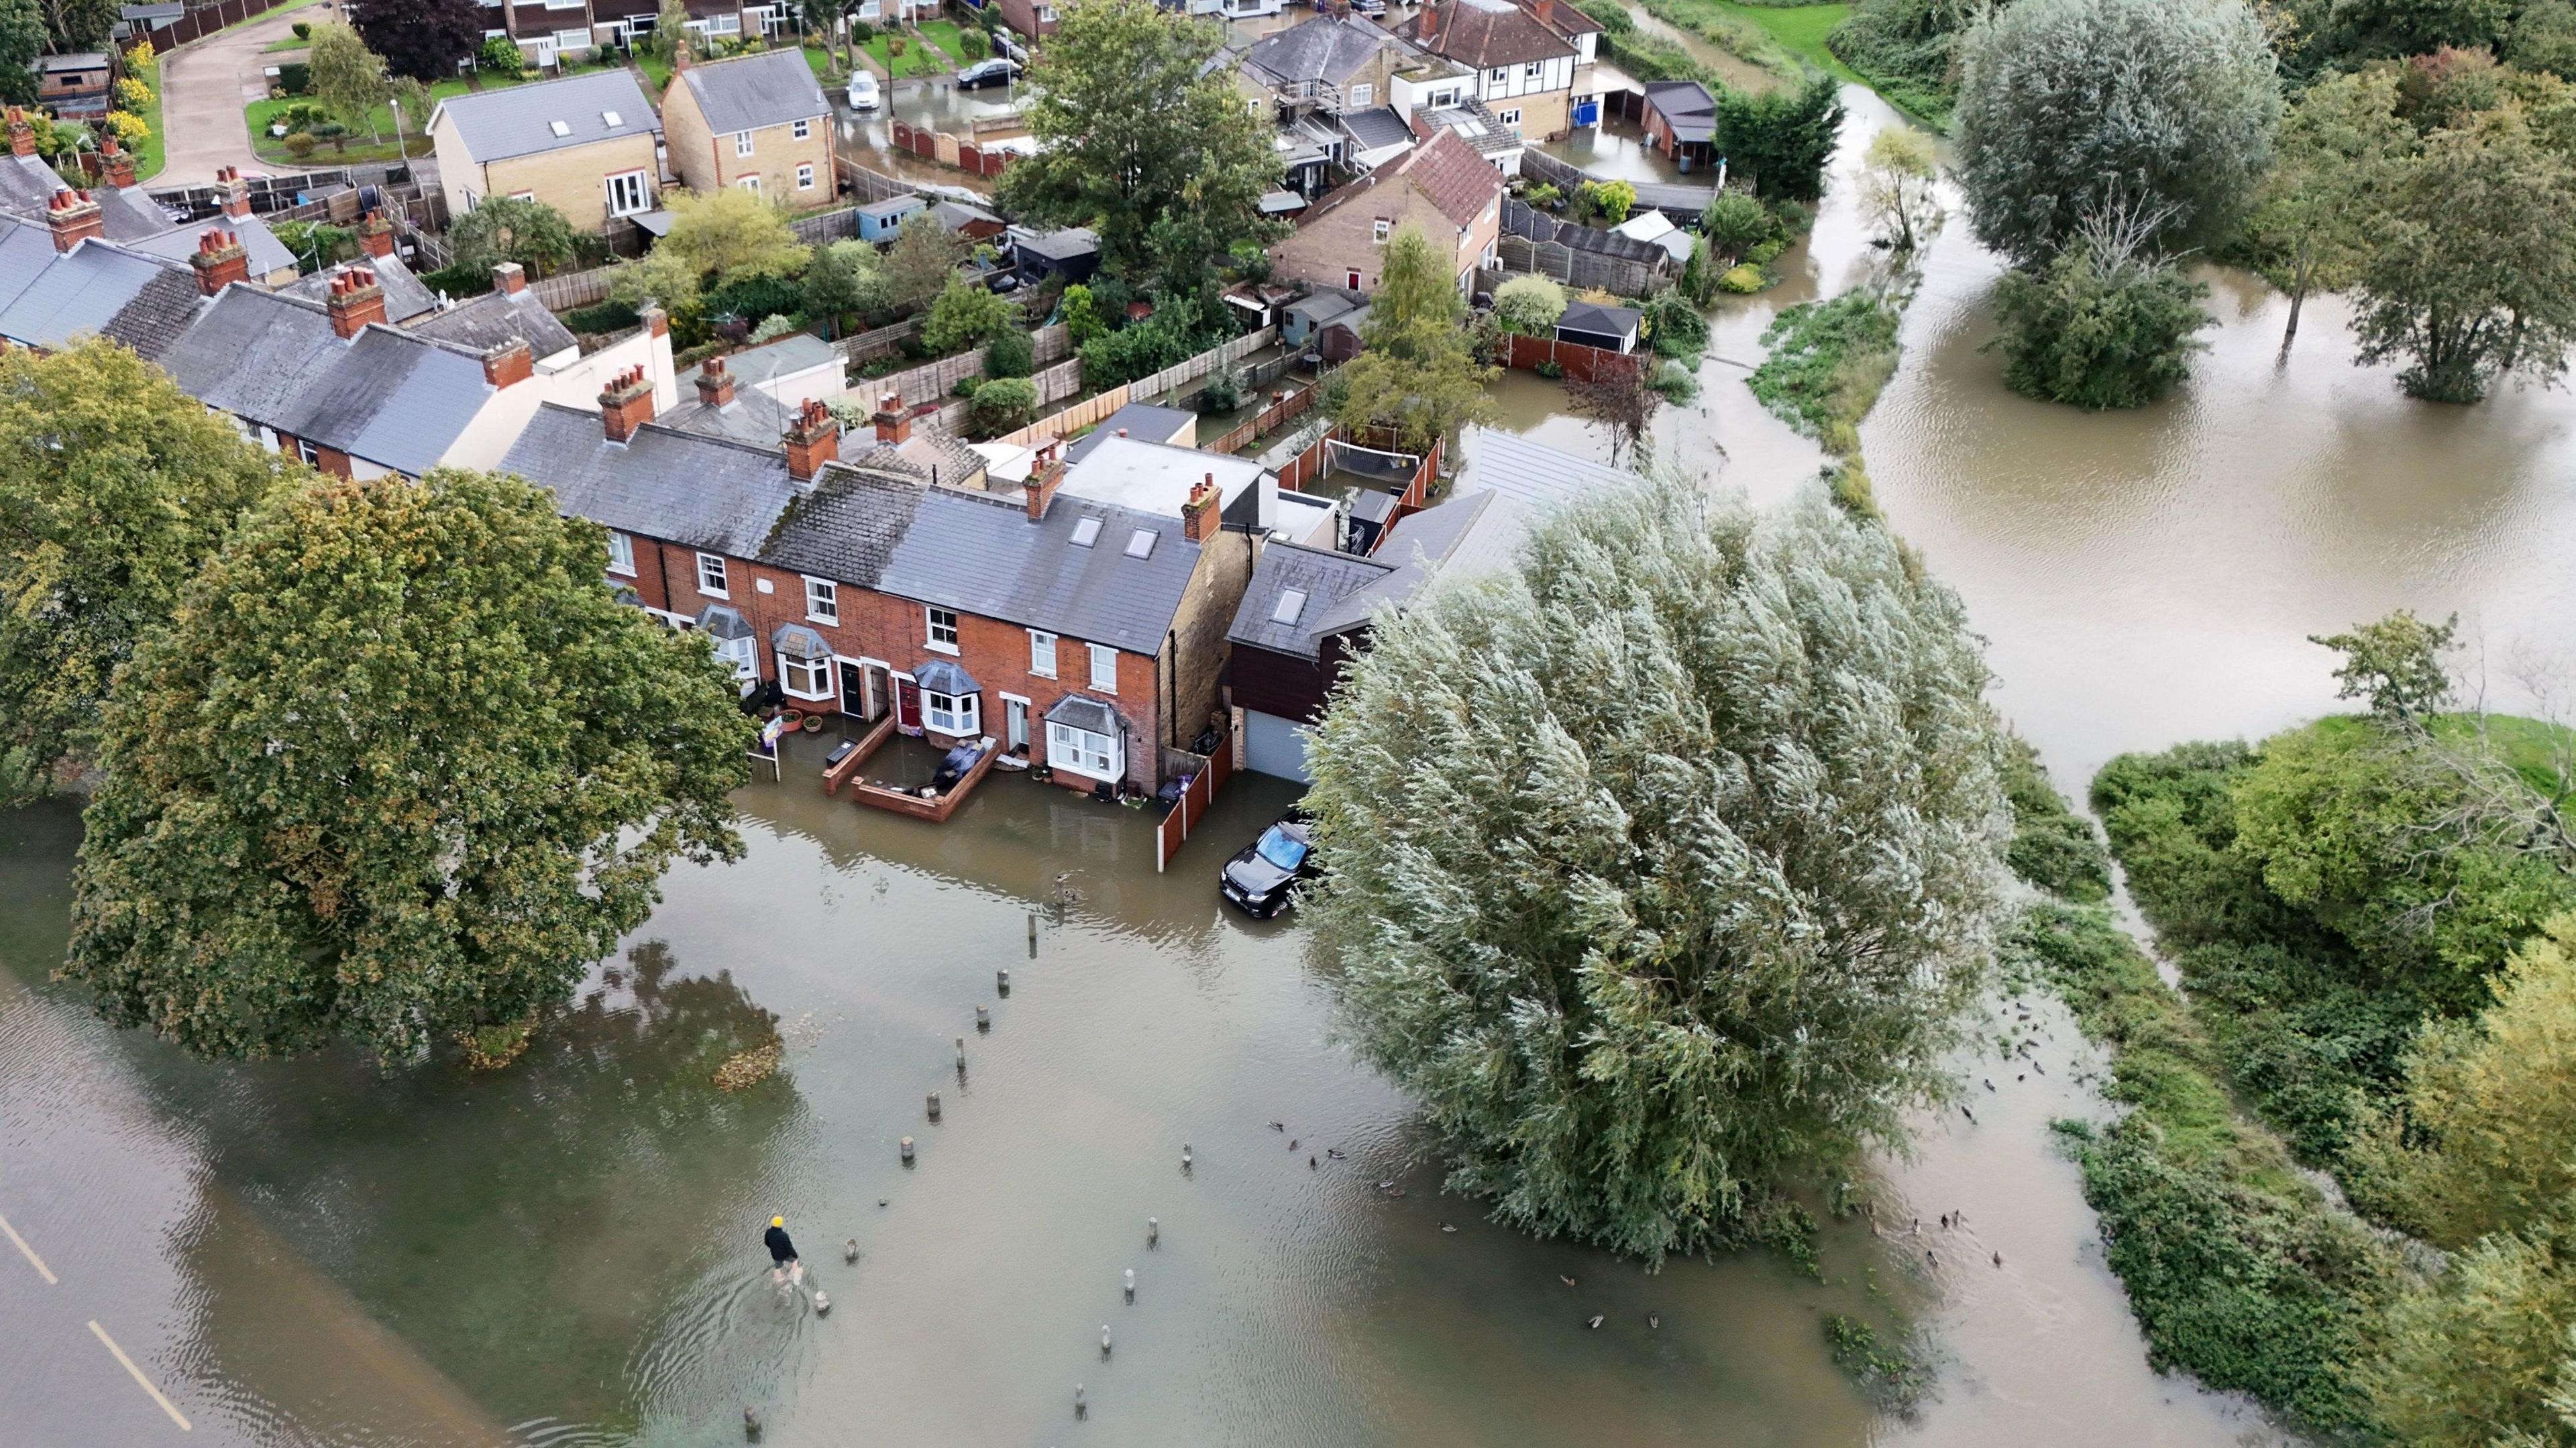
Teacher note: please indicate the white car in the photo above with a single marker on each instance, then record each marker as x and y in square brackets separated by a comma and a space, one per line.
[863, 91]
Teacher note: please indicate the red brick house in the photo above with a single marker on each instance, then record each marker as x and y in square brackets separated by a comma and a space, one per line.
[1089, 635]
[1442, 186]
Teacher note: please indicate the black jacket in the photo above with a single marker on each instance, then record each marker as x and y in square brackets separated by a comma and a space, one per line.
[780, 1249]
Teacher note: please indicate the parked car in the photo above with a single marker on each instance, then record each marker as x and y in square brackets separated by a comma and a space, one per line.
[1016, 51]
[996, 71]
[863, 91]
[1262, 877]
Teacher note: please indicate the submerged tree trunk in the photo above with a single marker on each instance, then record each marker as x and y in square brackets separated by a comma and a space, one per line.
[2299, 272]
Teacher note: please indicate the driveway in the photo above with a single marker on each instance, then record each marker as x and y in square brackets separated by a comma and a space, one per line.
[203, 89]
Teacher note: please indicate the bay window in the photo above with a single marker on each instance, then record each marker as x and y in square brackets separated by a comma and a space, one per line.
[949, 713]
[1084, 738]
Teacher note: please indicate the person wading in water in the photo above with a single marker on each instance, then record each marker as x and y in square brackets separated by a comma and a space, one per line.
[782, 1253]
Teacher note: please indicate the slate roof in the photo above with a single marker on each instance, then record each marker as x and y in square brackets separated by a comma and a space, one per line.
[699, 491]
[980, 554]
[518, 121]
[1524, 220]
[1140, 419]
[178, 241]
[1327, 578]
[1582, 316]
[846, 527]
[1322, 49]
[103, 290]
[1377, 128]
[1686, 106]
[770, 88]
[1486, 33]
[1478, 127]
[1445, 169]
[487, 321]
[25, 183]
[386, 396]
[1513, 482]
[128, 214]
[406, 295]
[1072, 241]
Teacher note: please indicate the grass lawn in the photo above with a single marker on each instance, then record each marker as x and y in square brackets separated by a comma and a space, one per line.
[258, 114]
[280, 47]
[254, 19]
[942, 54]
[1800, 29]
[821, 64]
[152, 154]
[654, 70]
[943, 33]
[1777, 37]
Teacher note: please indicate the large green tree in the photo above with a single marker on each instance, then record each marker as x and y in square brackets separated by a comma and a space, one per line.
[79, 24]
[422, 39]
[1660, 864]
[2315, 213]
[1142, 133]
[2098, 330]
[2470, 278]
[399, 767]
[22, 39]
[1417, 373]
[2072, 109]
[511, 228]
[115, 488]
[348, 78]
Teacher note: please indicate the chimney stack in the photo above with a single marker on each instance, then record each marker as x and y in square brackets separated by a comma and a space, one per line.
[236, 191]
[1545, 10]
[116, 162]
[715, 383]
[22, 136]
[626, 404]
[1198, 515]
[219, 260]
[656, 321]
[813, 439]
[509, 363]
[376, 235]
[73, 218]
[509, 278]
[894, 424]
[355, 301]
[1426, 27]
[1044, 477]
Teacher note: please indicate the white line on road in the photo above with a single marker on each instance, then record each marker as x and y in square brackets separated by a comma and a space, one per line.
[32, 1259]
[166, 1406]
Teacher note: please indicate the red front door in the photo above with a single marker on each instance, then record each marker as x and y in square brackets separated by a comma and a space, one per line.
[907, 706]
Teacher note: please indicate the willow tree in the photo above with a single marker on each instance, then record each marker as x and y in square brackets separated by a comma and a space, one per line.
[399, 767]
[1661, 863]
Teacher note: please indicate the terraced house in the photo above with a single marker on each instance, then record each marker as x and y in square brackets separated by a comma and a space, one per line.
[757, 121]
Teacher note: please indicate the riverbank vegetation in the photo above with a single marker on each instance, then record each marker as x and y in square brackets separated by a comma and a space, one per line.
[2370, 917]
[1686, 951]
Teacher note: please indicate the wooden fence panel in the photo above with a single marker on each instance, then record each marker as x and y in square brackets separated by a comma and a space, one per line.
[1192, 807]
[1579, 361]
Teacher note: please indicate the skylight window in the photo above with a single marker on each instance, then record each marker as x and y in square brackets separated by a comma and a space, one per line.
[1086, 532]
[1140, 543]
[560, 128]
[1292, 602]
[612, 119]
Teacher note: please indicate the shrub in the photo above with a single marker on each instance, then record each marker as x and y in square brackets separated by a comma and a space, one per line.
[1744, 280]
[1609, 201]
[754, 299]
[501, 56]
[1735, 223]
[1543, 196]
[295, 78]
[2097, 333]
[1825, 364]
[974, 44]
[303, 29]
[1223, 392]
[1676, 327]
[777, 325]
[301, 144]
[1529, 305]
[1549, 370]
[1135, 351]
[2053, 847]
[964, 315]
[1003, 404]
[1011, 353]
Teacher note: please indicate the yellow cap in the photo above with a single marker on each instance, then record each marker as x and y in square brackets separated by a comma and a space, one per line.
[778, 1221]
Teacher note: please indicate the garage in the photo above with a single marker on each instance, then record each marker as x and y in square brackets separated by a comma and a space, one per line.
[1276, 746]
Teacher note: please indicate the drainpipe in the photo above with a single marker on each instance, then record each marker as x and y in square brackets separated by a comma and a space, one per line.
[1172, 686]
[662, 565]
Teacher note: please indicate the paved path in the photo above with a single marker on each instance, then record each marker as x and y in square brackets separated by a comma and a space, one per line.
[203, 89]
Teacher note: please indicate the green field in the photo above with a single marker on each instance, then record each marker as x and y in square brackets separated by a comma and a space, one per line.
[1779, 38]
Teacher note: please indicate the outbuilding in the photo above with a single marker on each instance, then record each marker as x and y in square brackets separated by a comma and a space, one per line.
[880, 220]
[1595, 324]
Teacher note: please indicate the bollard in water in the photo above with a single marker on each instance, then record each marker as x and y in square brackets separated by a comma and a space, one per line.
[750, 1424]
[1081, 1409]
[934, 1106]
[850, 1248]
[1153, 1230]
[961, 1055]
[1104, 1341]
[1002, 983]
[822, 1303]
[1185, 1157]
[1033, 935]
[1131, 1284]
[906, 1146]
[983, 1018]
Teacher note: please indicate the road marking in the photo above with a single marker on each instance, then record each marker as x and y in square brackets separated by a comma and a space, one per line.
[32, 1259]
[166, 1406]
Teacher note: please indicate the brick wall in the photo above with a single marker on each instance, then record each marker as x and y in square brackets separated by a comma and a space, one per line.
[1324, 251]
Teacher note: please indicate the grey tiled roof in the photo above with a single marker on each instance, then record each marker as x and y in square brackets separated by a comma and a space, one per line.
[1140, 419]
[101, 290]
[699, 491]
[385, 396]
[489, 320]
[771, 88]
[1512, 482]
[1524, 220]
[980, 554]
[1600, 317]
[1376, 127]
[25, 183]
[519, 121]
[266, 253]
[125, 213]
[1326, 577]
[846, 527]
[1080, 711]
[406, 295]
[1321, 49]
[1072, 241]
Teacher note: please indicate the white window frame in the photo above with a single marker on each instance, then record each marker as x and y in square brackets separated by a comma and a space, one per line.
[1079, 751]
[1502, 75]
[822, 600]
[742, 143]
[932, 628]
[743, 653]
[805, 176]
[1041, 654]
[1380, 229]
[750, 183]
[1363, 95]
[621, 553]
[711, 567]
[642, 199]
[804, 130]
[573, 40]
[1533, 70]
[1104, 668]
[1508, 118]
[963, 710]
[819, 670]
[307, 453]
